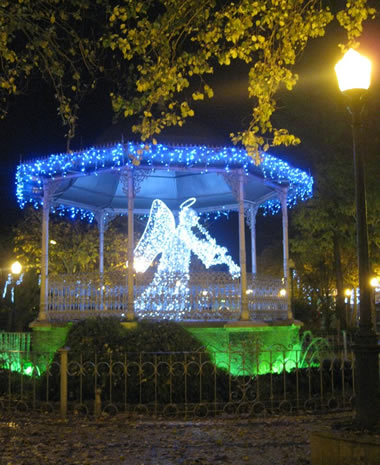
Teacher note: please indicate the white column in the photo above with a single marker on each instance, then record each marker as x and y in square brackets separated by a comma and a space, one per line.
[285, 244]
[242, 252]
[285, 240]
[131, 303]
[100, 219]
[253, 213]
[44, 255]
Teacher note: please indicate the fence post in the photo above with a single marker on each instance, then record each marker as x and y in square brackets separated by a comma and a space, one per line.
[63, 372]
[98, 403]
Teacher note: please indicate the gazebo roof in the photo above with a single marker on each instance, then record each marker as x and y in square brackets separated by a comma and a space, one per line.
[89, 181]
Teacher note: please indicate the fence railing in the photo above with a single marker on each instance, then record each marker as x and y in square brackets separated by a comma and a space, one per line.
[211, 296]
[183, 385]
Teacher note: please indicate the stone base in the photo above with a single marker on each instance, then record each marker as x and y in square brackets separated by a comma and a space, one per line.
[129, 324]
[344, 448]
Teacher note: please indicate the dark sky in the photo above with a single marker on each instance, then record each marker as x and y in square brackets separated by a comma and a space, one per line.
[33, 129]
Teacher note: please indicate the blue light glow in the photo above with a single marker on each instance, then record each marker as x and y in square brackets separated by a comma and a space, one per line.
[30, 176]
[168, 295]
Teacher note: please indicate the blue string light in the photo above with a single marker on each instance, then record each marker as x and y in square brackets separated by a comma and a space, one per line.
[30, 176]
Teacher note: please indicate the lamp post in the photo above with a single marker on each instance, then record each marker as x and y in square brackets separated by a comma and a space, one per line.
[348, 293]
[15, 269]
[354, 76]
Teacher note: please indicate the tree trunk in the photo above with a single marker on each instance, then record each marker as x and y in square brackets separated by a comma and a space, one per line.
[340, 305]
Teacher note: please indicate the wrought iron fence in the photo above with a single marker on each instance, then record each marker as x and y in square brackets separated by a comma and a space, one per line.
[183, 385]
[212, 296]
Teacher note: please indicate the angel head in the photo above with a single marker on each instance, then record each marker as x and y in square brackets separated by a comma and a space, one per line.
[187, 215]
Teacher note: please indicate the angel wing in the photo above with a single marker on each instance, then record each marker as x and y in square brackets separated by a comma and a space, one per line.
[206, 248]
[159, 229]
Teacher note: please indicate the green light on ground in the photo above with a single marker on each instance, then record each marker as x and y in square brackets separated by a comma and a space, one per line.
[244, 351]
[14, 362]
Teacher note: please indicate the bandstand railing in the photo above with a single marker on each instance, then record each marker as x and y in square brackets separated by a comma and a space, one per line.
[212, 296]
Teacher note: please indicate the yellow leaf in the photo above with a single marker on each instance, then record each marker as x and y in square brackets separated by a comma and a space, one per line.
[197, 96]
[208, 91]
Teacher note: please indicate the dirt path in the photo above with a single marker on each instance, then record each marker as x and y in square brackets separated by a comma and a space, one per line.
[45, 440]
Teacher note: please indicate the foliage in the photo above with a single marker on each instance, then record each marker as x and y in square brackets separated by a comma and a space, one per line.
[107, 334]
[53, 40]
[76, 247]
[306, 311]
[105, 342]
[186, 41]
[323, 229]
[157, 54]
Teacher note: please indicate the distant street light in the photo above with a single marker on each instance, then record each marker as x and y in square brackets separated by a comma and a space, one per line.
[348, 293]
[354, 77]
[16, 268]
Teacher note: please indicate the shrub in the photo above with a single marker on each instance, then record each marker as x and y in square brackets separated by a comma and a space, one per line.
[155, 352]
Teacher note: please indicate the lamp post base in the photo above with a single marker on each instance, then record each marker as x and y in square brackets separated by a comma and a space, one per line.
[366, 349]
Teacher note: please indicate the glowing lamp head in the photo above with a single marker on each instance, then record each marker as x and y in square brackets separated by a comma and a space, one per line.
[353, 71]
[16, 268]
[347, 292]
[283, 292]
[374, 282]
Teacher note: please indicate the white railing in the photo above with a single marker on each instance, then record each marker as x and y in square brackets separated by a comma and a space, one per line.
[212, 296]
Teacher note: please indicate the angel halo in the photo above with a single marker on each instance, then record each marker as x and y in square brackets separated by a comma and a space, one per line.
[168, 294]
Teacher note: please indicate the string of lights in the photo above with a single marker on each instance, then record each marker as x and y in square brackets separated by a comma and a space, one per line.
[168, 295]
[30, 176]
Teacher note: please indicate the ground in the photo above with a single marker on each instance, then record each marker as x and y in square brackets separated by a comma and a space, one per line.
[38, 439]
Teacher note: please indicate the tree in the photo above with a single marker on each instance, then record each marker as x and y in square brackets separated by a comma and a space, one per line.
[157, 54]
[324, 235]
[56, 41]
[76, 244]
[175, 45]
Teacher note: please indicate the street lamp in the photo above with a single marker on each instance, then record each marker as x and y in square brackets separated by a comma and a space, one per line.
[354, 75]
[16, 268]
[348, 293]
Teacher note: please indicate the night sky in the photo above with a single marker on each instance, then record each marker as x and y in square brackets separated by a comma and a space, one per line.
[33, 129]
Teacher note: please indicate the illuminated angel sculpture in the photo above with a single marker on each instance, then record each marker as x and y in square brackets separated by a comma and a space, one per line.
[167, 296]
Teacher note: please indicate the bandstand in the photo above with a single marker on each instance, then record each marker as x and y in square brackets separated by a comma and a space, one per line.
[169, 186]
